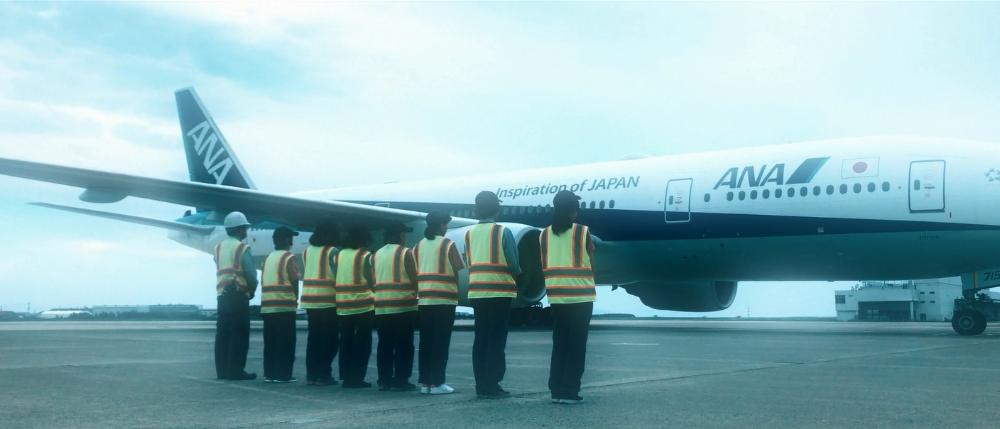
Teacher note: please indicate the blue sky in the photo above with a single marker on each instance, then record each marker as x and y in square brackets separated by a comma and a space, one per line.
[315, 95]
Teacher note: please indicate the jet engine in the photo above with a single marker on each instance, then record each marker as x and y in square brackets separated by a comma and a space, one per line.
[699, 296]
[530, 284]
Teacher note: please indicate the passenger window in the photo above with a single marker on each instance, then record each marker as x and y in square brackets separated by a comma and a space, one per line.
[885, 186]
[602, 204]
[804, 191]
[857, 188]
[611, 204]
[871, 187]
[765, 193]
[669, 201]
[583, 204]
[729, 196]
[829, 189]
[817, 190]
[743, 195]
[593, 204]
[777, 193]
[843, 188]
[753, 194]
[791, 192]
[708, 197]
[916, 185]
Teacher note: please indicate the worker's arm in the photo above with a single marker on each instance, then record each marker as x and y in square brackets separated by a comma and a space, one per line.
[332, 263]
[249, 273]
[410, 265]
[468, 250]
[293, 274]
[455, 259]
[369, 270]
[510, 252]
[590, 247]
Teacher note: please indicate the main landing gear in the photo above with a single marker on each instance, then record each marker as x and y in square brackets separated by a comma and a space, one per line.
[971, 314]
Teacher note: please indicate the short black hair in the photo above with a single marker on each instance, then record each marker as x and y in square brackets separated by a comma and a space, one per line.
[358, 237]
[326, 234]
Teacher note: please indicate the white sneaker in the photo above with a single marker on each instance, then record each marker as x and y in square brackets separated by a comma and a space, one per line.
[443, 389]
[425, 389]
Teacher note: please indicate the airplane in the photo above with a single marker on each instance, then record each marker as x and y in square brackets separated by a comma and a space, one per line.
[679, 232]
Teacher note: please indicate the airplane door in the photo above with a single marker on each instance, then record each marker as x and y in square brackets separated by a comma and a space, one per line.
[927, 186]
[677, 207]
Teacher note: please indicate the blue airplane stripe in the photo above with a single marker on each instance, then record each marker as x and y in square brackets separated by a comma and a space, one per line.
[806, 171]
[637, 225]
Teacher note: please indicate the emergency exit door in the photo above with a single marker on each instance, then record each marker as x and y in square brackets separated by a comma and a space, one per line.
[927, 186]
[677, 207]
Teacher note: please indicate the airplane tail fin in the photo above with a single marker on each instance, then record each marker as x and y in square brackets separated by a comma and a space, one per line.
[209, 157]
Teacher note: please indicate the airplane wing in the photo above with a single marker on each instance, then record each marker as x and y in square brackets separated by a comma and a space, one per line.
[107, 187]
[156, 223]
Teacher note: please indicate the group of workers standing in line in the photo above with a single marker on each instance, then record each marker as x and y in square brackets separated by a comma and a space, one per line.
[348, 290]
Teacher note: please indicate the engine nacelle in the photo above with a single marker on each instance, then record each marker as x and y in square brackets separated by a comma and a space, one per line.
[530, 284]
[700, 296]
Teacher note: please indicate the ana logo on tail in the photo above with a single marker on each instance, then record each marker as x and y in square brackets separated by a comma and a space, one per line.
[213, 155]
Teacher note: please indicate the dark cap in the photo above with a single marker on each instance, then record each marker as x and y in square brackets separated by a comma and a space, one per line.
[486, 198]
[437, 218]
[397, 228]
[565, 198]
[284, 231]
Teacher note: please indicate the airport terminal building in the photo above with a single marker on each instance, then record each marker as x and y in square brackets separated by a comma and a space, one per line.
[910, 300]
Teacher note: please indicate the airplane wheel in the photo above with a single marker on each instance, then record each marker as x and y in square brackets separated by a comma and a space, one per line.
[968, 322]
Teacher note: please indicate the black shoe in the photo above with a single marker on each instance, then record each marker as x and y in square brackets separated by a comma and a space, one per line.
[404, 387]
[382, 387]
[243, 375]
[356, 384]
[498, 394]
[323, 382]
[288, 380]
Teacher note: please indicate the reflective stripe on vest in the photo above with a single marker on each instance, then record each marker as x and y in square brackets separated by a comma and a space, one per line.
[436, 280]
[229, 267]
[566, 267]
[317, 280]
[394, 291]
[489, 275]
[354, 295]
[277, 292]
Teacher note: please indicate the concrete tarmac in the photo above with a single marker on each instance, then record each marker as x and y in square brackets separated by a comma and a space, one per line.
[676, 373]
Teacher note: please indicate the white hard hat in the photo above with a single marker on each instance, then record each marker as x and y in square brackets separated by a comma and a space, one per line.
[235, 219]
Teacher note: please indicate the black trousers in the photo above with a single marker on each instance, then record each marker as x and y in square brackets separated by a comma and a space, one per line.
[355, 346]
[322, 343]
[395, 348]
[489, 363]
[436, 323]
[279, 345]
[570, 325]
[232, 334]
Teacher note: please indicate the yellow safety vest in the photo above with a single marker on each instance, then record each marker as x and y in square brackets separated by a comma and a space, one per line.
[566, 267]
[436, 280]
[229, 267]
[489, 274]
[277, 292]
[354, 294]
[317, 280]
[394, 290]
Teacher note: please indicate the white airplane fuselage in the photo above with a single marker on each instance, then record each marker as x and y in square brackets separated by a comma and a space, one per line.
[868, 208]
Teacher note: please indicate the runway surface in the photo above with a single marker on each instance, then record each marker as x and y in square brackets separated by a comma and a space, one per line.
[685, 374]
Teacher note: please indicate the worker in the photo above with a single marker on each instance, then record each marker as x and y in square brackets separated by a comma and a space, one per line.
[235, 286]
[567, 251]
[320, 302]
[278, 301]
[437, 261]
[491, 253]
[395, 309]
[355, 307]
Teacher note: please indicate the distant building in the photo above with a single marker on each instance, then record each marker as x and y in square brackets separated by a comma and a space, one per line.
[64, 313]
[118, 310]
[908, 300]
